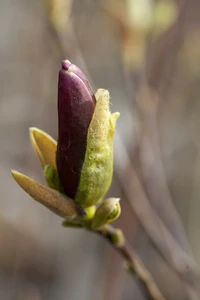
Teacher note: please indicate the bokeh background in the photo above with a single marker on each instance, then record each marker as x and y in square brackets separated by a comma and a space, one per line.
[147, 54]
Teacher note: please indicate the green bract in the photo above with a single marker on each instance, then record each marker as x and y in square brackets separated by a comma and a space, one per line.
[97, 169]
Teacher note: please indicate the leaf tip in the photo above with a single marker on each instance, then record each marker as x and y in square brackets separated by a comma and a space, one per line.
[15, 173]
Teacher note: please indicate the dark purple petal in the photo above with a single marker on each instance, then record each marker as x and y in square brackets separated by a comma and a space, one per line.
[76, 104]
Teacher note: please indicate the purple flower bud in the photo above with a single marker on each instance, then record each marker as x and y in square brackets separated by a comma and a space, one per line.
[76, 104]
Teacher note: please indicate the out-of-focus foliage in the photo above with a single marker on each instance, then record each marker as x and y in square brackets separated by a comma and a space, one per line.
[59, 13]
[139, 20]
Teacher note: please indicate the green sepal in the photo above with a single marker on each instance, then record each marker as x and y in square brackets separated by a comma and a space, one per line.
[69, 224]
[51, 176]
[90, 212]
[97, 169]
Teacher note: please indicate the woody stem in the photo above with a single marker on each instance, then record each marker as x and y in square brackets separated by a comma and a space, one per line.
[134, 265]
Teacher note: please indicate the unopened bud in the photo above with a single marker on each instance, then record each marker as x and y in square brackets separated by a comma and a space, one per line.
[106, 213]
[76, 104]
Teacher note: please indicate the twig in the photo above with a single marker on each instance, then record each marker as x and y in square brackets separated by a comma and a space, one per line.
[134, 265]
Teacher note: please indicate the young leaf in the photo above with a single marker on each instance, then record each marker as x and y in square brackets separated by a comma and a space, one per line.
[44, 145]
[50, 198]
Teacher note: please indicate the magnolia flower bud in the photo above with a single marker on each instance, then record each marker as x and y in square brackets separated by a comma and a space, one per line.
[76, 104]
[84, 155]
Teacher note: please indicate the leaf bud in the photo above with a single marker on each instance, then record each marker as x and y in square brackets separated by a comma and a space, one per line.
[106, 213]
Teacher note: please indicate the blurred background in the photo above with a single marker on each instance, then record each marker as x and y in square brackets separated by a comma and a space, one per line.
[147, 54]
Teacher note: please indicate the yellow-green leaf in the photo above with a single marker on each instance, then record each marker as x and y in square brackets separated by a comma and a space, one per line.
[50, 198]
[44, 145]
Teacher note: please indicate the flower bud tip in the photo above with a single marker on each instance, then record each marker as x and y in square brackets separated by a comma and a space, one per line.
[66, 64]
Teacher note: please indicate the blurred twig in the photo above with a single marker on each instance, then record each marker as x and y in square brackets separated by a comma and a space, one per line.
[154, 176]
[151, 222]
[160, 63]
[152, 166]
[64, 36]
[135, 266]
[177, 258]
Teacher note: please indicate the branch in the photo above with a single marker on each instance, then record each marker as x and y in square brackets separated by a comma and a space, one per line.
[134, 265]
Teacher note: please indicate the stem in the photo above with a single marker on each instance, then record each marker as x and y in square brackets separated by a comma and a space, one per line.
[135, 266]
